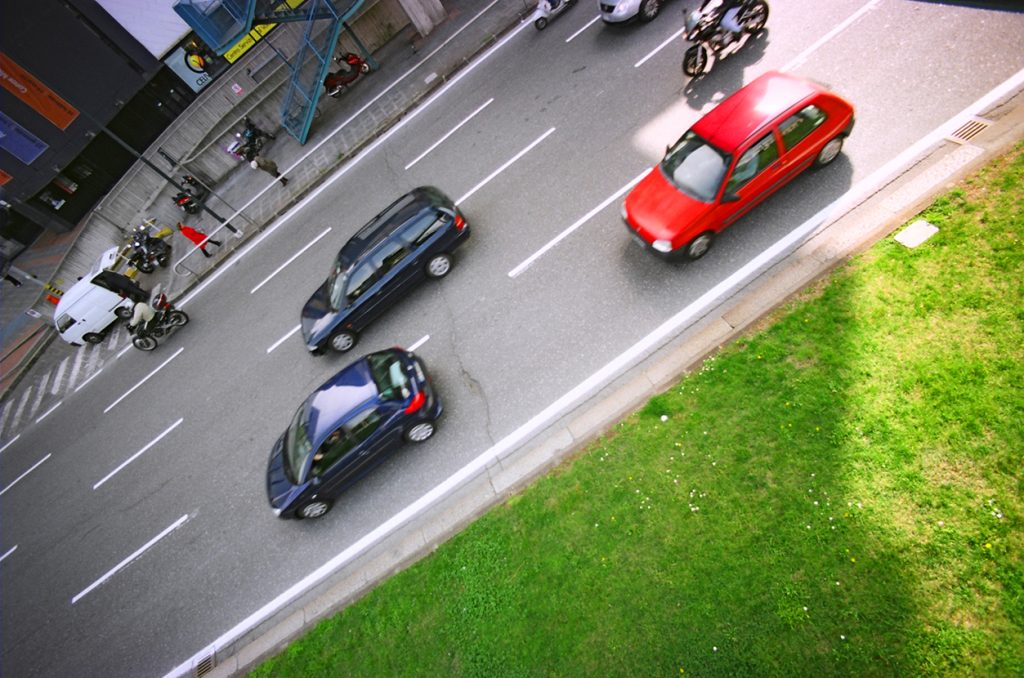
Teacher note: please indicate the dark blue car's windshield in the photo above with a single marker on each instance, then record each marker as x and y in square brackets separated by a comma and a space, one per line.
[297, 446]
[389, 376]
[695, 167]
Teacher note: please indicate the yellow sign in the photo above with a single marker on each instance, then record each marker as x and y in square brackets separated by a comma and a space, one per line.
[256, 34]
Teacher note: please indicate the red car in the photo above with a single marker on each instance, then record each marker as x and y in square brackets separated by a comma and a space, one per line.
[744, 150]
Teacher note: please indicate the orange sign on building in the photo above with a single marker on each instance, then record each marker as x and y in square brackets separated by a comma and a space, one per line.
[33, 92]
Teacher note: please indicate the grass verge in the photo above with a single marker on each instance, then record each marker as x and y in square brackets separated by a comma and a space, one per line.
[840, 493]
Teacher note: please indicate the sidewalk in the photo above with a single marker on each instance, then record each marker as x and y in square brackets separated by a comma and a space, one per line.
[37, 367]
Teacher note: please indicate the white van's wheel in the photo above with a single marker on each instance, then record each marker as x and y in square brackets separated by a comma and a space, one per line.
[92, 338]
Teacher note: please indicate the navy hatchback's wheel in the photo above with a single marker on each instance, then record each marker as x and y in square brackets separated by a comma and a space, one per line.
[540, 24]
[420, 432]
[314, 509]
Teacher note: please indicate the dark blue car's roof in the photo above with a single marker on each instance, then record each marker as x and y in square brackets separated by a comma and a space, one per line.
[393, 216]
[346, 391]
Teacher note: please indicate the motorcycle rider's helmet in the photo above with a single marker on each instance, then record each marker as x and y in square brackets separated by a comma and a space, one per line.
[692, 19]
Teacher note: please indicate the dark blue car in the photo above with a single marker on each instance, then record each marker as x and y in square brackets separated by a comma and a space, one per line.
[411, 240]
[346, 428]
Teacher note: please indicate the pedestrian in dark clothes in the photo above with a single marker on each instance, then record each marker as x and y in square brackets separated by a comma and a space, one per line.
[268, 166]
[198, 237]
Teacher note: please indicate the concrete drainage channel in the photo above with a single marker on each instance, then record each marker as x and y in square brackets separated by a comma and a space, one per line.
[869, 211]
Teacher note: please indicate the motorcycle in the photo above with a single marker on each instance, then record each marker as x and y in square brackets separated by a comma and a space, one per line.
[250, 141]
[549, 9]
[352, 66]
[153, 320]
[148, 249]
[704, 29]
[187, 202]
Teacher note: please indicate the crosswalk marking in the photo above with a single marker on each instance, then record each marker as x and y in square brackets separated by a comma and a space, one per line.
[3, 414]
[79, 355]
[21, 407]
[39, 397]
[59, 377]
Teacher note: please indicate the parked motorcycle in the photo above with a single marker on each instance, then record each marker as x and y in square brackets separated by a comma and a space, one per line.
[154, 319]
[352, 66]
[249, 142]
[549, 9]
[704, 29]
[149, 249]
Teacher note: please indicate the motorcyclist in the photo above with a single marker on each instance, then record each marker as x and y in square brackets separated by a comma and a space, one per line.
[142, 313]
[728, 20]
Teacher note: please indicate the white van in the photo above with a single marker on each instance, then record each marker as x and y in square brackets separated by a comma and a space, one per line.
[90, 307]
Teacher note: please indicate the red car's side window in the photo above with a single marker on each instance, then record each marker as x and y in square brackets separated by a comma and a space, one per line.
[799, 126]
[754, 160]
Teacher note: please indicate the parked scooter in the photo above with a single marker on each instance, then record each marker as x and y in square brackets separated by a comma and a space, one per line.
[704, 29]
[549, 9]
[154, 319]
[352, 66]
[149, 249]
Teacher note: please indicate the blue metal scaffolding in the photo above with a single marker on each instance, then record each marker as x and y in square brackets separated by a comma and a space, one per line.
[222, 23]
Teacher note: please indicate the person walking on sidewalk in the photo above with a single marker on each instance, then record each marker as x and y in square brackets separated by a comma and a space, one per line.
[268, 166]
[198, 237]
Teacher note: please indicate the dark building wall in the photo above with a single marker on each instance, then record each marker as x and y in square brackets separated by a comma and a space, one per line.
[77, 50]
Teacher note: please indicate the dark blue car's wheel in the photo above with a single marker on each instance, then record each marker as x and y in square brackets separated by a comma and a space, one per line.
[314, 509]
[343, 341]
[420, 432]
[439, 265]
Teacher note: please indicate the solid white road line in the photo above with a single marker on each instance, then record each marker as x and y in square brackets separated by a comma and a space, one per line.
[10, 442]
[91, 377]
[143, 380]
[660, 47]
[802, 57]
[290, 260]
[284, 338]
[585, 27]
[139, 453]
[49, 412]
[600, 378]
[124, 563]
[411, 348]
[451, 132]
[34, 466]
[582, 220]
[12, 550]
[501, 169]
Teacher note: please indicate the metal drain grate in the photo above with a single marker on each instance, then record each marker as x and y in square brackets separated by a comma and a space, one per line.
[969, 130]
[204, 666]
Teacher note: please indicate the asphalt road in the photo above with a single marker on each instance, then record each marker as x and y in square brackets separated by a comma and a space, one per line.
[135, 526]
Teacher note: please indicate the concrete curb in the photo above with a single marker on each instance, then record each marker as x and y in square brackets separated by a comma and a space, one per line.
[859, 227]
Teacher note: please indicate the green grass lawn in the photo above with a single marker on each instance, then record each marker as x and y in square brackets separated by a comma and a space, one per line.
[839, 493]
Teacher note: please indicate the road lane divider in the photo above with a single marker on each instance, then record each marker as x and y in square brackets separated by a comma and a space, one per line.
[579, 222]
[850, 20]
[9, 552]
[672, 38]
[127, 561]
[139, 453]
[143, 380]
[284, 338]
[585, 27]
[290, 260]
[10, 442]
[48, 412]
[501, 169]
[19, 478]
[419, 343]
[450, 132]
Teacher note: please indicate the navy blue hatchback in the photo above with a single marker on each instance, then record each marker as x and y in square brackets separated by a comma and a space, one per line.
[412, 239]
[346, 428]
